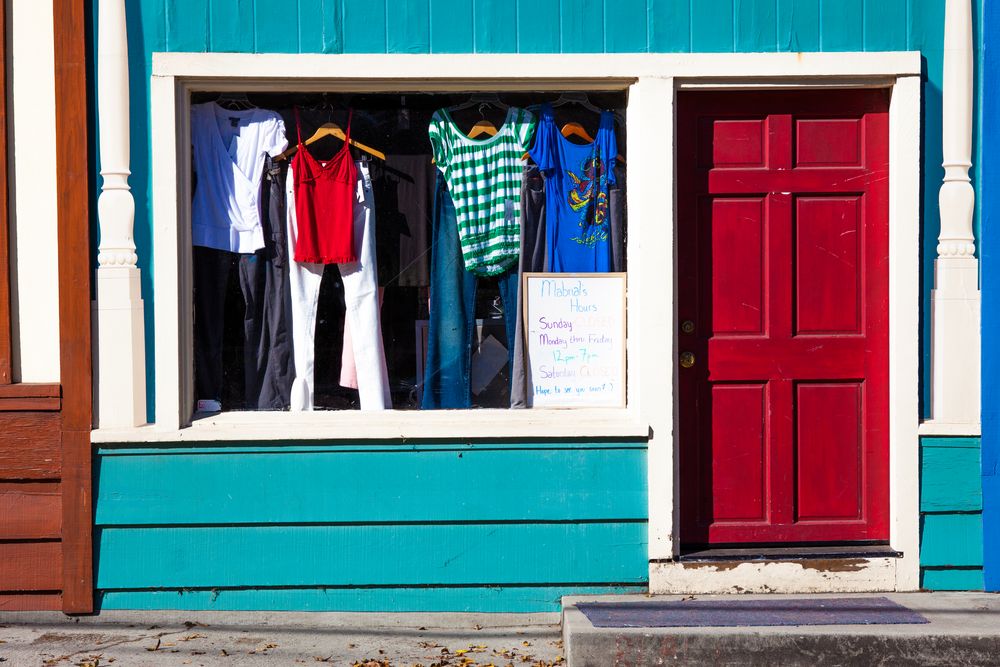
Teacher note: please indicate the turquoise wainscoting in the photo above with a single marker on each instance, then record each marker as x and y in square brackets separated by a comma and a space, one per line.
[530, 26]
[951, 514]
[338, 526]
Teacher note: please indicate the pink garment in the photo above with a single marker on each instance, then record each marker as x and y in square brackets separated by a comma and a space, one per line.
[348, 367]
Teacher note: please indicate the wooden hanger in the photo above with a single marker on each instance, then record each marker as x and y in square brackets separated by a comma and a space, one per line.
[481, 128]
[574, 129]
[332, 130]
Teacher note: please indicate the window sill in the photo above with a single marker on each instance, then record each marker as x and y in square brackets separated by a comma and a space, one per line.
[356, 425]
[946, 429]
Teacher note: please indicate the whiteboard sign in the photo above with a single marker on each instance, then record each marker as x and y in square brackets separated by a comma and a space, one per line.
[574, 327]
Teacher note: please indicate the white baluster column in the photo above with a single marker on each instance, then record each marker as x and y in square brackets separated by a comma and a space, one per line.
[121, 363]
[955, 301]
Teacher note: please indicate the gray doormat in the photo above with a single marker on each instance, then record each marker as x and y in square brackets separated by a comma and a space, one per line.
[747, 613]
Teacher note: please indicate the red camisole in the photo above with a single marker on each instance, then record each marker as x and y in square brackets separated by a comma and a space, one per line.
[325, 193]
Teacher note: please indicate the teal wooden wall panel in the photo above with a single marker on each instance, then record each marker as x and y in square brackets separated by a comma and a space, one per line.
[495, 26]
[712, 28]
[625, 29]
[925, 33]
[277, 24]
[950, 479]
[951, 579]
[951, 540]
[321, 24]
[508, 599]
[390, 554]
[408, 26]
[842, 25]
[756, 25]
[232, 25]
[798, 25]
[424, 484]
[451, 26]
[885, 25]
[364, 26]
[538, 27]
[669, 26]
[187, 25]
[582, 27]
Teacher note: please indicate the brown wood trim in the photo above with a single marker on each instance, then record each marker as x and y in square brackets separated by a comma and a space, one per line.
[6, 350]
[30, 404]
[30, 566]
[72, 185]
[37, 397]
[30, 390]
[30, 510]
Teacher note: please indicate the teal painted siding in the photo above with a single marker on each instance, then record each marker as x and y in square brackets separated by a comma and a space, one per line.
[538, 26]
[952, 579]
[252, 485]
[508, 599]
[484, 526]
[951, 522]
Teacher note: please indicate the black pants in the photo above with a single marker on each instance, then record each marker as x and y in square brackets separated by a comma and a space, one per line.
[267, 323]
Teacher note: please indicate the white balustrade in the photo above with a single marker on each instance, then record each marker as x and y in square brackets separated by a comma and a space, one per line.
[955, 300]
[120, 363]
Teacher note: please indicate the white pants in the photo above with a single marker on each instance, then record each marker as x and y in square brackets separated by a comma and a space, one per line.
[360, 280]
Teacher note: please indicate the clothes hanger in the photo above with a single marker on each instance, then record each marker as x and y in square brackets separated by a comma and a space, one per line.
[481, 128]
[331, 129]
[480, 100]
[235, 101]
[574, 129]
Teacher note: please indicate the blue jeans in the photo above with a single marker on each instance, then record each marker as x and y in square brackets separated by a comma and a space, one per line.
[453, 312]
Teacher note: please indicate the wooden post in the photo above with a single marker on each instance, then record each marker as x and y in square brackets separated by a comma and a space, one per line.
[121, 358]
[955, 300]
[74, 303]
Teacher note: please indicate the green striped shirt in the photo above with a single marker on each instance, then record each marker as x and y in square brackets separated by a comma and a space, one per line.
[484, 178]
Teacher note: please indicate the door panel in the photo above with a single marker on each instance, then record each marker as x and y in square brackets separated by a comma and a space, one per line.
[783, 275]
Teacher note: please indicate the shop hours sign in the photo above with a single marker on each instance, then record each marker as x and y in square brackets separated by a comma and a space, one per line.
[574, 328]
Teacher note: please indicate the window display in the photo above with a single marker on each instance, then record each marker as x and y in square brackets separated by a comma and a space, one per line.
[366, 251]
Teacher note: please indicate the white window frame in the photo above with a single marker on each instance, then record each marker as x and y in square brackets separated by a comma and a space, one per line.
[651, 81]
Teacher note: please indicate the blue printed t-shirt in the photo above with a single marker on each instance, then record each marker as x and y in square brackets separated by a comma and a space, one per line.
[576, 194]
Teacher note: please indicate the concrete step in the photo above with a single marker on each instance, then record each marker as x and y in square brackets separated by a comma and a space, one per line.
[964, 629]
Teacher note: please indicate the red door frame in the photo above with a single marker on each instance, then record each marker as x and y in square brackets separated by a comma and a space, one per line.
[766, 359]
[46, 559]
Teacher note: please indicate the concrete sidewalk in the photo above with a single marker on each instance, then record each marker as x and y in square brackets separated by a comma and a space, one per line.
[964, 629]
[124, 639]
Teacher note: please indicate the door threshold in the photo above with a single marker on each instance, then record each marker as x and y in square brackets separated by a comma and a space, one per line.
[796, 553]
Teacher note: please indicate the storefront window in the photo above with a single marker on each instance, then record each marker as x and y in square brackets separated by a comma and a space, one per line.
[368, 251]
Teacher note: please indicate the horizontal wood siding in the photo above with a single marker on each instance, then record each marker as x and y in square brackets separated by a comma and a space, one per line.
[951, 522]
[32, 448]
[30, 510]
[952, 579]
[390, 484]
[454, 523]
[383, 555]
[30, 566]
[508, 599]
[30, 601]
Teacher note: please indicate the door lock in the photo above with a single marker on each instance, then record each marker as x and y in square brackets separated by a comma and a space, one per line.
[687, 359]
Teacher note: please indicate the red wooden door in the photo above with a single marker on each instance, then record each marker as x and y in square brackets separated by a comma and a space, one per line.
[783, 303]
